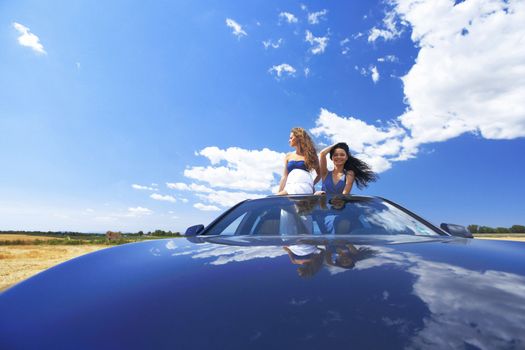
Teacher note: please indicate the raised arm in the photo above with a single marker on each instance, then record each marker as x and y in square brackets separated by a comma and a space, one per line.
[322, 161]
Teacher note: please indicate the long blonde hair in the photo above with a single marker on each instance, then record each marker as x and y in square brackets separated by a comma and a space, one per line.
[307, 147]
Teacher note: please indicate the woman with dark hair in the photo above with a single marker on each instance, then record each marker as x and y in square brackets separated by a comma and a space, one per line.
[347, 170]
[298, 165]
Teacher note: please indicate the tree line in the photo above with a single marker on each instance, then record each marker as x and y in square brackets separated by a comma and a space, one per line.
[488, 229]
[88, 235]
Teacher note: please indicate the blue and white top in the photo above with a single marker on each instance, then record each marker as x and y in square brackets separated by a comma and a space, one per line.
[296, 164]
[330, 188]
[299, 179]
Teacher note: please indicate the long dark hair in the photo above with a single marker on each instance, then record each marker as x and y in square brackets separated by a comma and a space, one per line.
[363, 173]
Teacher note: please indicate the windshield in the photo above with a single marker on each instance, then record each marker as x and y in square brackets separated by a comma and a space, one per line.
[319, 215]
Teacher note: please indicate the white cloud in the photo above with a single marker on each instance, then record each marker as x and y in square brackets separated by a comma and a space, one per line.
[191, 187]
[166, 198]
[469, 75]
[237, 168]
[306, 72]
[140, 187]
[289, 17]
[281, 69]
[378, 146]
[391, 28]
[29, 39]
[228, 198]
[139, 211]
[319, 43]
[314, 17]
[237, 29]
[273, 44]
[184, 200]
[344, 46]
[388, 58]
[371, 71]
[203, 207]
[230, 254]
[178, 186]
[375, 74]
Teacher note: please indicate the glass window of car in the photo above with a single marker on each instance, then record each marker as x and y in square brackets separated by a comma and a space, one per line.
[319, 215]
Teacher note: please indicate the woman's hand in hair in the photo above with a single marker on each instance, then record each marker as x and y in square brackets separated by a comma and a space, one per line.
[322, 161]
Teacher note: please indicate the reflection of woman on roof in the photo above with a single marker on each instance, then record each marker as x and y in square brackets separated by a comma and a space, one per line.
[308, 257]
[298, 165]
[347, 170]
[346, 255]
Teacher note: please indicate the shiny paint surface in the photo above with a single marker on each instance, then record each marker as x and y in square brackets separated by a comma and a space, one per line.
[247, 292]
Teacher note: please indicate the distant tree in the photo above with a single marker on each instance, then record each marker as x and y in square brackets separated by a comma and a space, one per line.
[473, 228]
[486, 229]
[517, 229]
[141, 233]
[502, 230]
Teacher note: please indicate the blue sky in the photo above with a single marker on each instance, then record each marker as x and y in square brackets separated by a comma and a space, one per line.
[136, 116]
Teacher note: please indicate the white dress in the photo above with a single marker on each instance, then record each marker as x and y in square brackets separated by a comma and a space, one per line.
[299, 181]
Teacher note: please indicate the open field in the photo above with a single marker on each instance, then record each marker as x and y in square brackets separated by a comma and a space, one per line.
[11, 237]
[502, 237]
[19, 262]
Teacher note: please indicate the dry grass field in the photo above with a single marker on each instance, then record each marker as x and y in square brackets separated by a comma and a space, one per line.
[18, 262]
[504, 238]
[11, 237]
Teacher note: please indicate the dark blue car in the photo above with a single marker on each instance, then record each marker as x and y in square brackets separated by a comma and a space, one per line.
[296, 272]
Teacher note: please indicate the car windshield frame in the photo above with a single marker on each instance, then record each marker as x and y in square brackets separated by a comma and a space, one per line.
[316, 206]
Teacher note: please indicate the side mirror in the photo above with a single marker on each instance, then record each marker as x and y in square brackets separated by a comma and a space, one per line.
[457, 230]
[194, 230]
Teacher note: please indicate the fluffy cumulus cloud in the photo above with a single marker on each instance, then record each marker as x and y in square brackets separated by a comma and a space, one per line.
[282, 69]
[227, 198]
[314, 17]
[288, 17]
[29, 39]
[141, 187]
[166, 198]
[205, 207]
[236, 27]
[318, 43]
[139, 211]
[238, 169]
[469, 75]
[377, 145]
[390, 29]
[191, 187]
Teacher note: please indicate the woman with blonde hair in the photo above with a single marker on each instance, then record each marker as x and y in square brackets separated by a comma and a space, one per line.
[298, 165]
